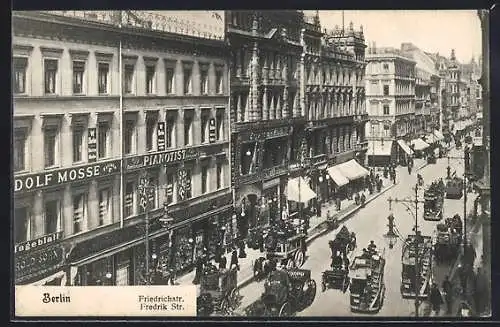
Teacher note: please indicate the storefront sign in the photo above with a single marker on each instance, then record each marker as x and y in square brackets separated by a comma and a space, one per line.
[211, 129]
[92, 145]
[267, 134]
[32, 264]
[161, 136]
[164, 158]
[63, 176]
[38, 243]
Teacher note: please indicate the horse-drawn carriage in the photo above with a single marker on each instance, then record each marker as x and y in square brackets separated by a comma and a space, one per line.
[218, 291]
[410, 284]
[433, 201]
[454, 188]
[338, 276]
[285, 292]
[284, 247]
[367, 283]
[448, 239]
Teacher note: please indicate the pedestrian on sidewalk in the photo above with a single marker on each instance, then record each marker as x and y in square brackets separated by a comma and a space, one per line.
[436, 299]
[338, 203]
[222, 262]
[234, 259]
[448, 294]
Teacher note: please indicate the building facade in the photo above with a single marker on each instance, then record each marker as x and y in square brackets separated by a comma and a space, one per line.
[390, 101]
[100, 99]
[267, 116]
[334, 99]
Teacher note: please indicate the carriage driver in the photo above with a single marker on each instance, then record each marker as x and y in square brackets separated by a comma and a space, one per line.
[336, 260]
[372, 248]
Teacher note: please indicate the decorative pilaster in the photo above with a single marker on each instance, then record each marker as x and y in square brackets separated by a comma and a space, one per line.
[254, 113]
[238, 63]
[265, 107]
[300, 110]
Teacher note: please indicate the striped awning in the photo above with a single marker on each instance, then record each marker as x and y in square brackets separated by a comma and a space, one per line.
[337, 176]
[379, 148]
[419, 144]
[405, 147]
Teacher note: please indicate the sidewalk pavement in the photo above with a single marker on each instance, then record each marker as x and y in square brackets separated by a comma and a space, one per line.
[318, 227]
[474, 235]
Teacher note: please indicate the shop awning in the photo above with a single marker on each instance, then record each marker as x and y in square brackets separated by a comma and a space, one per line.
[299, 191]
[439, 136]
[430, 138]
[379, 148]
[419, 144]
[405, 147]
[337, 176]
[352, 170]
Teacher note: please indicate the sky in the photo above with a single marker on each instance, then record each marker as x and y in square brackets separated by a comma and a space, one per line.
[430, 30]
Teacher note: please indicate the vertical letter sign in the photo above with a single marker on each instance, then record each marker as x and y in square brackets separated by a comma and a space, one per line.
[211, 130]
[92, 145]
[161, 136]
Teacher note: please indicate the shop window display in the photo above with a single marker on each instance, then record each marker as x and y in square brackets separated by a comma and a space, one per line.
[184, 254]
[99, 273]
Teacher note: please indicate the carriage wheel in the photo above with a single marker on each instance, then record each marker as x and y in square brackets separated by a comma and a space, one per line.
[285, 310]
[311, 291]
[299, 258]
[234, 298]
[290, 264]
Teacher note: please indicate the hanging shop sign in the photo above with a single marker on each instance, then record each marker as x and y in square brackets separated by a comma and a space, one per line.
[161, 136]
[37, 243]
[156, 159]
[38, 263]
[211, 131]
[92, 145]
[75, 174]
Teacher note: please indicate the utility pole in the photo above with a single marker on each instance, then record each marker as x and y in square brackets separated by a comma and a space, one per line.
[417, 241]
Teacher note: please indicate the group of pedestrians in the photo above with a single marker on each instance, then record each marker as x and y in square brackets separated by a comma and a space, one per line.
[373, 181]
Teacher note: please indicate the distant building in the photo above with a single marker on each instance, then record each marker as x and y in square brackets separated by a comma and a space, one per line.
[390, 101]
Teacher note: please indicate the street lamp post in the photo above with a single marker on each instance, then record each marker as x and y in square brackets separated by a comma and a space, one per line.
[416, 202]
[146, 189]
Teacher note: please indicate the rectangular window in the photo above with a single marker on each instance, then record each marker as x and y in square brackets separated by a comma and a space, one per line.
[219, 176]
[128, 78]
[102, 73]
[129, 134]
[150, 79]
[50, 66]
[22, 225]
[19, 77]
[78, 70]
[187, 80]
[205, 117]
[151, 124]
[188, 127]
[219, 122]
[169, 131]
[20, 137]
[78, 137]
[102, 139]
[52, 216]
[204, 81]
[204, 179]
[386, 89]
[170, 80]
[104, 206]
[218, 81]
[78, 213]
[50, 146]
[129, 209]
[386, 109]
[169, 191]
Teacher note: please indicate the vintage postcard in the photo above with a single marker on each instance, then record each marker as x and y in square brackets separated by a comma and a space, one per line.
[291, 163]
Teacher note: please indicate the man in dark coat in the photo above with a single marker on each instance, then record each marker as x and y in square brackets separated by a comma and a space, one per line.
[436, 299]
[448, 294]
[234, 259]
[222, 262]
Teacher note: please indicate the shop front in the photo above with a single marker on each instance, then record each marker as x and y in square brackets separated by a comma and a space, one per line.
[337, 183]
[380, 153]
[39, 262]
[404, 153]
[353, 171]
[299, 194]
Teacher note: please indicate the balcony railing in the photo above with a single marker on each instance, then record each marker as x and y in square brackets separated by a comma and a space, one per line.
[170, 22]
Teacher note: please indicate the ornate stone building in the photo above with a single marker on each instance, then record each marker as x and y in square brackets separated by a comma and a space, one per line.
[99, 98]
[267, 119]
[334, 100]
